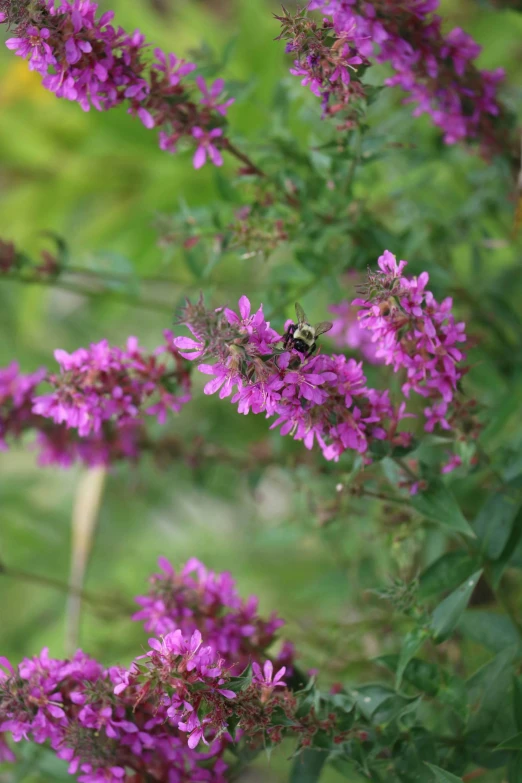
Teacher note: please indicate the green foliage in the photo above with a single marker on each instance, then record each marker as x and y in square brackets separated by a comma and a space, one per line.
[307, 766]
[448, 612]
[437, 503]
[441, 776]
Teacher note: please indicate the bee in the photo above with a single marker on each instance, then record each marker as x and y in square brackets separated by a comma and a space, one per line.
[302, 336]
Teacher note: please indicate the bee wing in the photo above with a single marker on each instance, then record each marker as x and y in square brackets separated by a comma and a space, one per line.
[301, 317]
[323, 327]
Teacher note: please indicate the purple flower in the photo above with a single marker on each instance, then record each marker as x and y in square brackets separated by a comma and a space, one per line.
[84, 58]
[413, 332]
[211, 95]
[173, 68]
[453, 463]
[266, 677]
[34, 46]
[206, 147]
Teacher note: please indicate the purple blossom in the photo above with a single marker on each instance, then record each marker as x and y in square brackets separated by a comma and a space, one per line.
[436, 71]
[312, 400]
[413, 332]
[206, 147]
[211, 95]
[347, 332]
[151, 716]
[84, 58]
[34, 46]
[231, 625]
[266, 677]
[106, 384]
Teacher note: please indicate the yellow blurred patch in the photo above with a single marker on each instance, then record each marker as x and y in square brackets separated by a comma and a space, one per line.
[20, 82]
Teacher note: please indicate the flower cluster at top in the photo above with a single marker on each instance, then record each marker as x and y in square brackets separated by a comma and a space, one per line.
[171, 715]
[83, 57]
[196, 598]
[413, 332]
[436, 70]
[94, 411]
[323, 399]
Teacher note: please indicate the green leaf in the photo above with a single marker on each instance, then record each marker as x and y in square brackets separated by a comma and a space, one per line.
[513, 743]
[488, 689]
[517, 702]
[225, 188]
[422, 675]
[370, 697]
[381, 704]
[494, 522]
[439, 504]
[448, 613]
[447, 572]
[442, 776]
[495, 631]
[507, 557]
[394, 708]
[307, 766]
[515, 769]
[413, 641]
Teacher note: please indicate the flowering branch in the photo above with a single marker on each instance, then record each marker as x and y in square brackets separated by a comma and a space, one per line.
[325, 398]
[436, 70]
[83, 58]
[94, 411]
[152, 716]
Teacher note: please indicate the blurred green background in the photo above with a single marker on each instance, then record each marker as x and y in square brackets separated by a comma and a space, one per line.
[100, 181]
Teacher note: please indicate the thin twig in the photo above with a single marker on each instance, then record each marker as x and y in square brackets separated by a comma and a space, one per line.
[133, 301]
[227, 144]
[406, 468]
[56, 584]
[381, 496]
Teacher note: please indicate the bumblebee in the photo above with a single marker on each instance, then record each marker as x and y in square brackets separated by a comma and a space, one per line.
[302, 335]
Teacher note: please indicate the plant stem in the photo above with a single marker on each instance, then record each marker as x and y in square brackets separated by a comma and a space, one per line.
[227, 144]
[406, 468]
[56, 584]
[146, 304]
[381, 496]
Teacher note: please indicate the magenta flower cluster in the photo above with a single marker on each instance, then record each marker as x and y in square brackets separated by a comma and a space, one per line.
[107, 721]
[323, 399]
[105, 383]
[436, 70]
[196, 598]
[151, 720]
[95, 410]
[84, 58]
[16, 401]
[414, 333]
[99, 401]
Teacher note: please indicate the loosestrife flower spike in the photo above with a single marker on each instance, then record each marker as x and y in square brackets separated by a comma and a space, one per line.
[98, 402]
[153, 717]
[414, 333]
[195, 598]
[436, 70]
[84, 58]
[323, 399]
